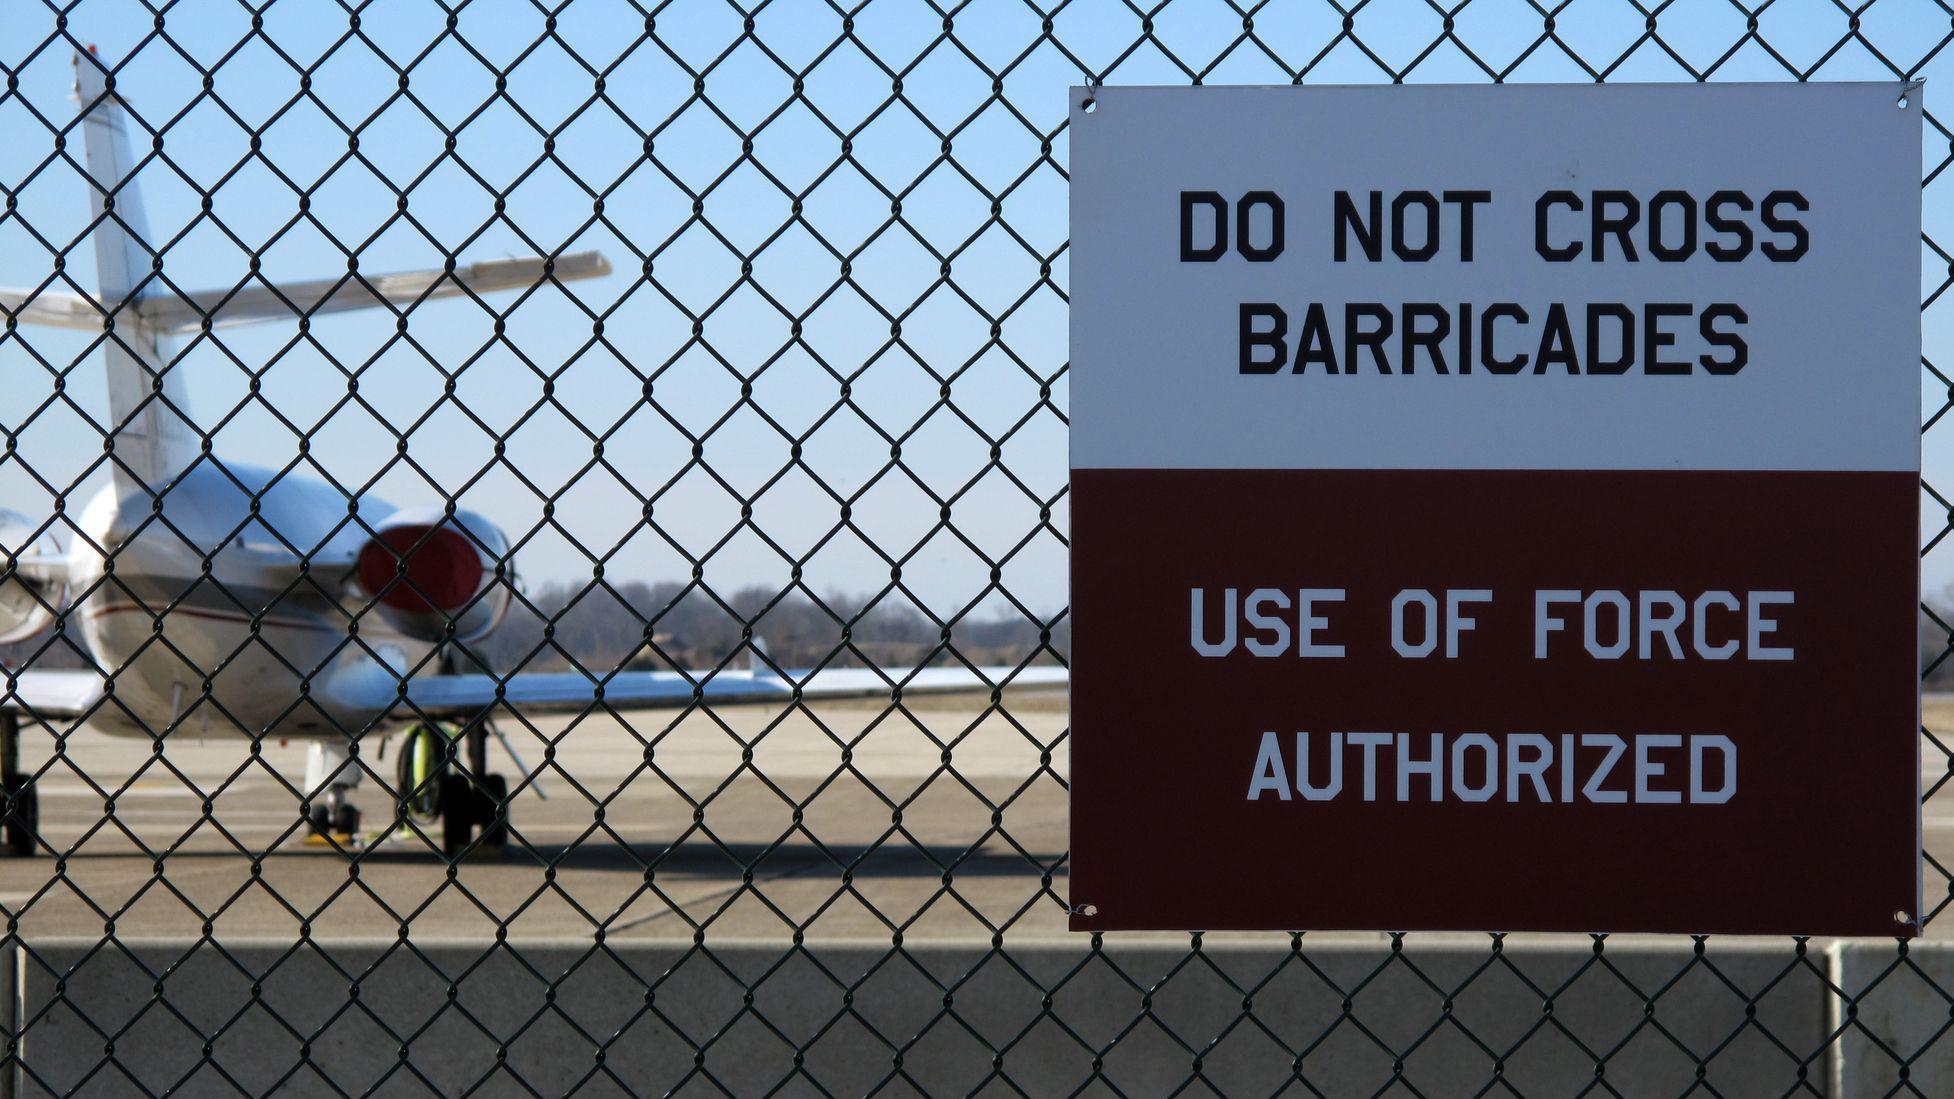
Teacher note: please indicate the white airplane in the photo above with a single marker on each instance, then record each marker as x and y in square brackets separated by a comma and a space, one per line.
[231, 600]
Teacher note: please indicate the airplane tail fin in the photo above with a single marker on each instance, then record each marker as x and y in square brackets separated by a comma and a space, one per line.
[153, 441]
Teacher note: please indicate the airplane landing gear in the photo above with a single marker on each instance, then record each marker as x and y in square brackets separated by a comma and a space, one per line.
[444, 774]
[338, 817]
[494, 811]
[457, 814]
[330, 775]
[481, 804]
[22, 807]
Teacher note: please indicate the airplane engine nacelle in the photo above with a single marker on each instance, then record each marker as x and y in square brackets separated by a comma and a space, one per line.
[36, 587]
[425, 570]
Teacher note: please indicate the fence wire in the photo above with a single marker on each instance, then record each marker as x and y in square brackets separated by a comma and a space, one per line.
[741, 328]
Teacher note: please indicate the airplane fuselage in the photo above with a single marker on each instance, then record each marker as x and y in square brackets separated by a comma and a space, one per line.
[219, 606]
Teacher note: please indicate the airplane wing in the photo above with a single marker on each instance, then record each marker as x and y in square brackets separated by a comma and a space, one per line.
[575, 692]
[72, 694]
[171, 312]
[41, 694]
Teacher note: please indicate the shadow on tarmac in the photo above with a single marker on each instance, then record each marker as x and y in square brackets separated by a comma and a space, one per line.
[600, 853]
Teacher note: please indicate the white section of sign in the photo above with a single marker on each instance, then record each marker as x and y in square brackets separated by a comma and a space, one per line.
[1832, 338]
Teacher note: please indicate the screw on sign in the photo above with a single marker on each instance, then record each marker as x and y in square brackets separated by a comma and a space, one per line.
[1515, 529]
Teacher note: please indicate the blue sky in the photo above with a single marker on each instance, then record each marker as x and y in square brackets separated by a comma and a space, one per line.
[894, 387]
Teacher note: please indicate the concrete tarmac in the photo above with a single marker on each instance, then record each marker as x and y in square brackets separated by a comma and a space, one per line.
[843, 821]
[851, 819]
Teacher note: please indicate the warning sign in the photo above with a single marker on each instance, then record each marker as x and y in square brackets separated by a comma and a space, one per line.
[1496, 508]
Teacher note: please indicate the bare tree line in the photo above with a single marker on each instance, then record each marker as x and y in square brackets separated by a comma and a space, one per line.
[660, 625]
[1936, 646]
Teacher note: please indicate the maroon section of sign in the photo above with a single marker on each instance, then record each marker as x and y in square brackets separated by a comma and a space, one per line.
[1819, 837]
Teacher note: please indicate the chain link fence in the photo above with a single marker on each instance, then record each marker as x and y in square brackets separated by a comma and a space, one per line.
[741, 329]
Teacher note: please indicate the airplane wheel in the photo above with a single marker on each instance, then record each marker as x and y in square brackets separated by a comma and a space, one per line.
[319, 820]
[419, 770]
[346, 821]
[493, 801]
[25, 821]
[457, 814]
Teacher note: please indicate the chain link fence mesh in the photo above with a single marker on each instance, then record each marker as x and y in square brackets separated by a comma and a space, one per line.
[783, 389]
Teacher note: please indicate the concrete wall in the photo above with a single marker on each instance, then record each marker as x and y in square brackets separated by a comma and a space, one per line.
[848, 1018]
[845, 1018]
[1896, 1022]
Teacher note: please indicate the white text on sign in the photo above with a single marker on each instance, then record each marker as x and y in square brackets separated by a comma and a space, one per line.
[1605, 624]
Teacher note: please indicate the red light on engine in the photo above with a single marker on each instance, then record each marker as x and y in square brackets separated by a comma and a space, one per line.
[421, 569]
